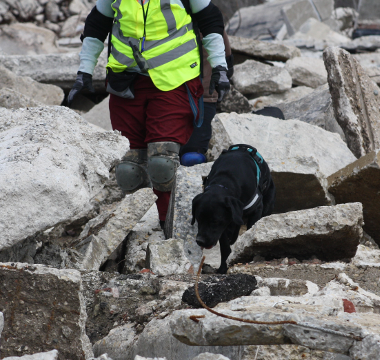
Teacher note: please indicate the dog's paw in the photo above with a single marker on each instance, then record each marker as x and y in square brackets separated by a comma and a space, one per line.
[222, 270]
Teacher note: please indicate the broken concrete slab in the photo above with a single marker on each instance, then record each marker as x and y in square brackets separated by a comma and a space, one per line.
[189, 181]
[157, 341]
[261, 22]
[288, 96]
[257, 49]
[52, 301]
[146, 231]
[103, 234]
[167, 257]
[287, 287]
[330, 233]
[356, 101]
[360, 181]
[316, 109]
[296, 14]
[27, 39]
[369, 10]
[299, 162]
[54, 69]
[306, 71]
[215, 330]
[118, 344]
[234, 101]
[50, 355]
[316, 35]
[11, 99]
[58, 162]
[43, 93]
[364, 43]
[253, 77]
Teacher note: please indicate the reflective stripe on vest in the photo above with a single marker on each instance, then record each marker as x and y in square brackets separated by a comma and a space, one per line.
[167, 49]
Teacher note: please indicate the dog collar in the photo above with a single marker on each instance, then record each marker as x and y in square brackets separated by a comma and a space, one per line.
[256, 197]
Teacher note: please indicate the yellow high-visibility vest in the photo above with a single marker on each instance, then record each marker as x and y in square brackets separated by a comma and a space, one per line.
[170, 46]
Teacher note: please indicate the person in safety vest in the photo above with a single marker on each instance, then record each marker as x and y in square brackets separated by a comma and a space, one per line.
[193, 152]
[153, 77]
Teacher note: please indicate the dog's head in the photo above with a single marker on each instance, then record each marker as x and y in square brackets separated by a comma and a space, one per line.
[214, 212]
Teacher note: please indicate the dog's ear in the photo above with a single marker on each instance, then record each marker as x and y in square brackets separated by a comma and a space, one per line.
[194, 206]
[236, 208]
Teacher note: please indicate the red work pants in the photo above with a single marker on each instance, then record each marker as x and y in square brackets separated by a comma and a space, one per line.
[155, 116]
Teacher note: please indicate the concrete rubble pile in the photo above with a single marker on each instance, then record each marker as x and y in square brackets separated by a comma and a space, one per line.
[86, 270]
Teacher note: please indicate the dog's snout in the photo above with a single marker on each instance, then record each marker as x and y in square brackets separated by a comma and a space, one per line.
[200, 241]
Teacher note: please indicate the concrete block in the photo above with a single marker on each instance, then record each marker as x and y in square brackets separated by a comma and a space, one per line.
[43, 310]
[360, 182]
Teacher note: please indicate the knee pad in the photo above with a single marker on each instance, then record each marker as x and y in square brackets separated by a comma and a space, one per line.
[163, 161]
[131, 173]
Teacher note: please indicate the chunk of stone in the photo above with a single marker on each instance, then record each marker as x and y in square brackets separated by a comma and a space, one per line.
[253, 77]
[100, 115]
[11, 99]
[118, 344]
[54, 69]
[367, 349]
[189, 181]
[316, 109]
[366, 256]
[52, 301]
[228, 9]
[297, 13]
[157, 341]
[144, 358]
[288, 96]
[147, 230]
[73, 26]
[167, 257]
[356, 101]
[369, 10]
[307, 71]
[51, 355]
[364, 43]
[261, 22]
[25, 9]
[234, 101]
[317, 35]
[58, 163]
[217, 289]
[215, 330]
[299, 162]
[40, 93]
[331, 233]
[210, 356]
[360, 181]
[262, 50]
[27, 39]
[103, 234]
[287, 287]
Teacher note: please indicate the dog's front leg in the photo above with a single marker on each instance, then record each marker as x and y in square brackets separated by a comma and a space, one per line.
[225, 251]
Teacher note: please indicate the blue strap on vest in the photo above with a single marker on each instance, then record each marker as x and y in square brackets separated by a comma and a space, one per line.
[259, 159]
[194, 108]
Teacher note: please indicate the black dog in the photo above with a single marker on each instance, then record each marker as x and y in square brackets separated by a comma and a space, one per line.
[239, 190]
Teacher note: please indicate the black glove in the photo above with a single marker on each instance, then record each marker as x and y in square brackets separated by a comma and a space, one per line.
[219, 82]
[230, 65]
[82, 82]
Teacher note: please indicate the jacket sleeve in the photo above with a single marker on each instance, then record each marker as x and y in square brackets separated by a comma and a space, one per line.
[210, 23]
[97, 27]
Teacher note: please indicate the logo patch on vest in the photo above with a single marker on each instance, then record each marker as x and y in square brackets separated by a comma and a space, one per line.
[194, 65]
